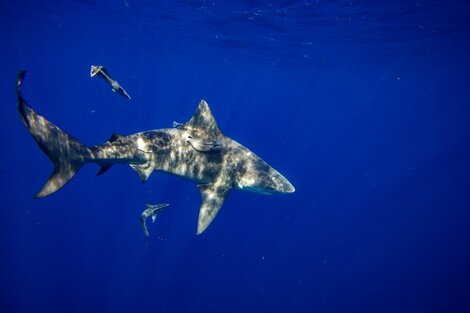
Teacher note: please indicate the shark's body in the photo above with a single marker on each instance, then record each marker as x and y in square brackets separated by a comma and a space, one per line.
[196, 150]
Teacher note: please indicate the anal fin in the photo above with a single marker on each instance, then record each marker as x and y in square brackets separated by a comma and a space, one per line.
[213, 196]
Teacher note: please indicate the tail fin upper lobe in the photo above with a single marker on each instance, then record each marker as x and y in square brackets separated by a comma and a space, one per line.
[66, 152]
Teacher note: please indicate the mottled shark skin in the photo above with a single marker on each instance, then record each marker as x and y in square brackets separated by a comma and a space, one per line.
[196, 150]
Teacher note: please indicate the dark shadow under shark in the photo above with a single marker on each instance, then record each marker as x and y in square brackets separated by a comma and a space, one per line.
[196, 150]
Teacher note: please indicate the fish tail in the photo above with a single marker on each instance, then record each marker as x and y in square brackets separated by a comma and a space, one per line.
[66, 153]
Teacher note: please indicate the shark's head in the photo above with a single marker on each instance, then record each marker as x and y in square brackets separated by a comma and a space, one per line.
[262, 178]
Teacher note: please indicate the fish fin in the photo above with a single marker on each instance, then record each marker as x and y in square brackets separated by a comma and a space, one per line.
[123, 93]
[115, 137]
[203, 121]
[66, 152]
[144, 170]
[104, 169]
[213, 197]
[62, 173]
[95, 69]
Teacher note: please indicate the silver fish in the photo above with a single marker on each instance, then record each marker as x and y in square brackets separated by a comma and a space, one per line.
[103, 73]
[151, 210]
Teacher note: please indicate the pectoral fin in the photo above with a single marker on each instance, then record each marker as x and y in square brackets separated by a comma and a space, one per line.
[144, 170]
[213, 197]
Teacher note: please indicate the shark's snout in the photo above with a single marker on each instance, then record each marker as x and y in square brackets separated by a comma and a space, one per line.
[287, 187]
[280, 184]
[266, 182]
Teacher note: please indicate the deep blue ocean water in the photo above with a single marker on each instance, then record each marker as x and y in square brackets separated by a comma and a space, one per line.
[363, 105]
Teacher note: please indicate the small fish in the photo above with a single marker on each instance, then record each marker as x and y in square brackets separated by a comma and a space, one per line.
[204, 145]
[103, 73]
[177, 125]
[151, 210]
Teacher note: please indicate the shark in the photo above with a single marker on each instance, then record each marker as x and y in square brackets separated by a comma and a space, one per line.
[196, 150]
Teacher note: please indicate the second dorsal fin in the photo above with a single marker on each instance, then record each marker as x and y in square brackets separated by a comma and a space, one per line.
[115, 137]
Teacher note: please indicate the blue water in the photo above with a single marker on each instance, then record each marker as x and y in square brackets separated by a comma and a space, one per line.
[363, 105]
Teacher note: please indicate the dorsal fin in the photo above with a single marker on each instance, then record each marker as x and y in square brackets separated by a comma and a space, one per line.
[203, 120]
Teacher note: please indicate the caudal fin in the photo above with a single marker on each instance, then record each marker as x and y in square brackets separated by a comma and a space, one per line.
[66, 152]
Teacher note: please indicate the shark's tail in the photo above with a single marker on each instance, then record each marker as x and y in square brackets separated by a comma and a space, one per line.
[66, 152]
